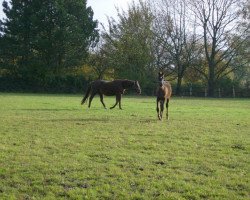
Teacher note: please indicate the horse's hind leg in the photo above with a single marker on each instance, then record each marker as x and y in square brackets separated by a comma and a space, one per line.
[101, 99]
[91, 98]
[167, 109]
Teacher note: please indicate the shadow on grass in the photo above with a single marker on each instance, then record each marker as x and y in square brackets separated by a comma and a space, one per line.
[48, 109]
[81, 121]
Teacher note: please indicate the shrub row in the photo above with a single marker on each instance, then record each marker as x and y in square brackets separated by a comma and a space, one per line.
[78, 84]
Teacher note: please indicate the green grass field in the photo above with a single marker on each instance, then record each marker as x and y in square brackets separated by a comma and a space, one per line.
[51, 147]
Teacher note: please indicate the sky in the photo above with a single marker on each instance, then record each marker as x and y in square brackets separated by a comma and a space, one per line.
[101, 8]
[1, 9]
[104, 8]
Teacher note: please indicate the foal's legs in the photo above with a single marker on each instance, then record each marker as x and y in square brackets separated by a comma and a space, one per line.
[157, 109]
[101, 99]
[162, 107]
[167, 109]
[118, 99]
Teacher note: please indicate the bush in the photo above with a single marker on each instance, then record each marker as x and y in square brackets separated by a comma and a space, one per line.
[50, 84]
[79, 83]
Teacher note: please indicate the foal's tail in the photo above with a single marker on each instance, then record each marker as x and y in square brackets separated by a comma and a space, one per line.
[86, 95]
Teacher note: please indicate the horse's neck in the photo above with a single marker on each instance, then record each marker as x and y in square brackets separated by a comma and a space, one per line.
[127, 84]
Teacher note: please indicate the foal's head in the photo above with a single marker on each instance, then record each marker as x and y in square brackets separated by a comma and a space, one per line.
[161, 78]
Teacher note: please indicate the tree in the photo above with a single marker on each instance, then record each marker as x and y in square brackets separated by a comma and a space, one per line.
[129, 40]
[16, 28]
[98, 59]
[243, 53]
[162, 24]
[44, 37]
[176, 32]
[217, 19]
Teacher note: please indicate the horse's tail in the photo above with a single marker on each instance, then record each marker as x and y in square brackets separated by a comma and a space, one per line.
[86, 95]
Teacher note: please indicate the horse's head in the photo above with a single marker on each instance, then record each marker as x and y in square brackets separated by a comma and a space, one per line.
[137, 87]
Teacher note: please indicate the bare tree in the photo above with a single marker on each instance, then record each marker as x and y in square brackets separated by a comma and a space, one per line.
[217, 19]
[175, 38]
[161, 40]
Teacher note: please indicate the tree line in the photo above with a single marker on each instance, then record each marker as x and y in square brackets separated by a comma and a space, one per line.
[58, 46]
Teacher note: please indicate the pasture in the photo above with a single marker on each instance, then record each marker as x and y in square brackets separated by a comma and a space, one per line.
[51, 147]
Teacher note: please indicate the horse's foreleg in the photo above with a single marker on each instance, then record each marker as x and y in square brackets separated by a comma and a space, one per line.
[114, 105]
[101, 99]
[117, 101]
[167, 109]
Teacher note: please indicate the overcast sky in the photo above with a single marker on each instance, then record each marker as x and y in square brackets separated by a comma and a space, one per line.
[104, 8]
[101, 8]
[1, 9]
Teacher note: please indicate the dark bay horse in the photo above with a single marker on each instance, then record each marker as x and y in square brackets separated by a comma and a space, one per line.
[164, 92]
[110, 88]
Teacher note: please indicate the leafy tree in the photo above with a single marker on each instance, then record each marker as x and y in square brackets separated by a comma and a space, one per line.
[129, 41]
[15, 40]
[99, 61]
[42, 37]
[242, 60]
